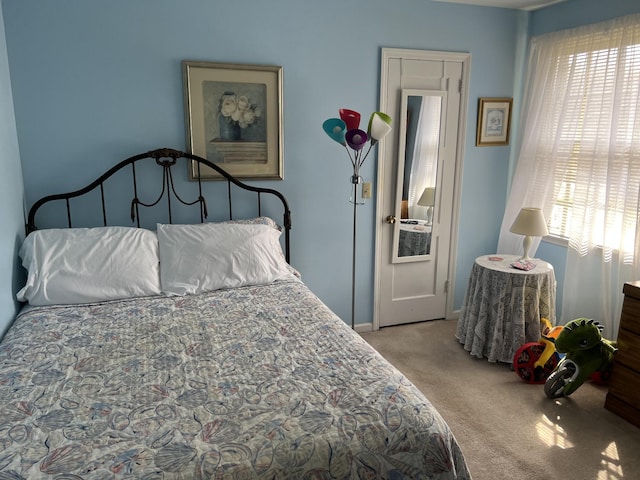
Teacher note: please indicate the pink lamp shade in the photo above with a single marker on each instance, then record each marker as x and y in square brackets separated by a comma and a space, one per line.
[356, 138]
[351, 118]
[336, 129]
[379, 126]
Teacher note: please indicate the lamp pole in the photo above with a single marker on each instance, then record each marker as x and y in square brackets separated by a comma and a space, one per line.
[355, 180]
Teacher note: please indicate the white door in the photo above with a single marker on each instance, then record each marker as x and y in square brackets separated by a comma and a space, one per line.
[419, 167]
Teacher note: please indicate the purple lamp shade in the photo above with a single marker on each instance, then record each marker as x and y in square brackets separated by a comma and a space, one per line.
[351, 118]
[356, 138]
[379, 126]
[335, 128]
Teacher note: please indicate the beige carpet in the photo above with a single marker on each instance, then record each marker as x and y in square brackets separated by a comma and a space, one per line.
[506, 428]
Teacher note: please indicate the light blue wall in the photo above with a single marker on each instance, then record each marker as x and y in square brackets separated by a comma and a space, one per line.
[97, 81]
[574, 13]
[11, 195]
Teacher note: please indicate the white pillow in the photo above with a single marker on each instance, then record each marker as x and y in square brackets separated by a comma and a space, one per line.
[210, 256]
[87, 265]
[255, 221]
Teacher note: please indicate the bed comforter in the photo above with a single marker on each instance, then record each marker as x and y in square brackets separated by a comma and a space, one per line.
[254, 382]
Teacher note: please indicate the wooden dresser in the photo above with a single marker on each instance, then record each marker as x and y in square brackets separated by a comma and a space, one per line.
[624, 386]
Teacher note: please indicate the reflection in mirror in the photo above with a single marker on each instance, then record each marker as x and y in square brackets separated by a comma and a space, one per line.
[421, 112]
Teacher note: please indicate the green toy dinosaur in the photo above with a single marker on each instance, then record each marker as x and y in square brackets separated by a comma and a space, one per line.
[586, 353]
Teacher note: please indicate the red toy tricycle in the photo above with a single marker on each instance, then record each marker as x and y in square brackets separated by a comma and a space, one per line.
[534, 361]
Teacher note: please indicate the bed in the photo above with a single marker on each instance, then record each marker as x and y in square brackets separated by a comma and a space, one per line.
[165, 368]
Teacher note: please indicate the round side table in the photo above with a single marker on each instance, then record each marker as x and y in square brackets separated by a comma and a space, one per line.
[503, 306]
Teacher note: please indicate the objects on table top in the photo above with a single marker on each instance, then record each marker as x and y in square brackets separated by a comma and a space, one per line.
[524, 265]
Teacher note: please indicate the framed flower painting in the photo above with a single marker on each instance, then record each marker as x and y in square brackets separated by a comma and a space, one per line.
[494, 119]
[233, 115]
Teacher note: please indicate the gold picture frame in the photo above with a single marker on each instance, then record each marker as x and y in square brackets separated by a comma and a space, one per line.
[494, 121]
[233, 116]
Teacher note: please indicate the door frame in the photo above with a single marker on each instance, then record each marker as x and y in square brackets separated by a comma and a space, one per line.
[413, 54]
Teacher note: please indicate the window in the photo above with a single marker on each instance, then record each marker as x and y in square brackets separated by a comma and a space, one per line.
[588, 135]
[579, 161]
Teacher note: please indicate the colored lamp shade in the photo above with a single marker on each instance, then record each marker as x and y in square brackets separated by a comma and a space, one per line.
[356, 138]
[350, 117]
[336, 129]
[379, 126]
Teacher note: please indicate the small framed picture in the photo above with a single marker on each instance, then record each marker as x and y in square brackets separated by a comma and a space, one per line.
[233, 115]
[494, 119]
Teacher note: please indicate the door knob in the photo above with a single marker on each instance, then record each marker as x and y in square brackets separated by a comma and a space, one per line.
[391, 219]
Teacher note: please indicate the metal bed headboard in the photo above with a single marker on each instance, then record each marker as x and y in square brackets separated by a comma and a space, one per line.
[166, 158]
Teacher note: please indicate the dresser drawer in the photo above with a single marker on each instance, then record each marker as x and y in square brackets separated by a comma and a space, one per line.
[625, 385]
[628, 353]
[630, 318]
[622, 409]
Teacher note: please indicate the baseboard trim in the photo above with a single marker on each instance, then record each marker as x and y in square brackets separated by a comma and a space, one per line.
[368, 327]
[364, 327]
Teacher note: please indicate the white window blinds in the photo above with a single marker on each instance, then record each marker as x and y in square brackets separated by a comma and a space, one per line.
[596, 192]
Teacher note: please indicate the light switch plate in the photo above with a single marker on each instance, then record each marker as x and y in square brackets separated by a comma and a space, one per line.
[366, 190]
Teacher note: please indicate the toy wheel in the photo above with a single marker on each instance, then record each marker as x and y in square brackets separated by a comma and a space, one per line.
[524, 363]
[556, 382]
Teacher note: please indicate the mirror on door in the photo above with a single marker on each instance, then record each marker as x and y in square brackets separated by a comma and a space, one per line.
[417, 191]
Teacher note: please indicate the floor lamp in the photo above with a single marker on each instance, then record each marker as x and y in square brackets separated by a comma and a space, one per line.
[346, 131]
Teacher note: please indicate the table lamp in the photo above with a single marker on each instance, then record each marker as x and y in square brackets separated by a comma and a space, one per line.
[427, 199]
[530, 222]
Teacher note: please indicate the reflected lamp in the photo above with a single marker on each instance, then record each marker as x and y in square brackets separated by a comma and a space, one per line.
[428, 199]
[530, 222]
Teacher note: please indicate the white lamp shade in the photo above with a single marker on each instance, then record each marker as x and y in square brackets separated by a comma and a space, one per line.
[379, 126]
[428, 197]
[530, 221]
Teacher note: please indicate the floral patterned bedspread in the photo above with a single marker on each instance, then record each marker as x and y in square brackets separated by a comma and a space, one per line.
[254, 382]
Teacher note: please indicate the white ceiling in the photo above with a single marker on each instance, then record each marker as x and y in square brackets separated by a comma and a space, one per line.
[515, 4]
